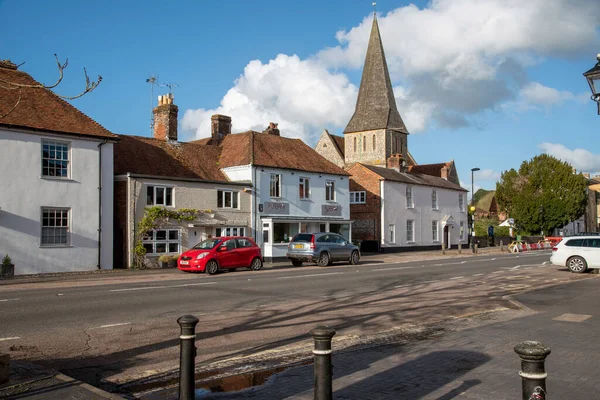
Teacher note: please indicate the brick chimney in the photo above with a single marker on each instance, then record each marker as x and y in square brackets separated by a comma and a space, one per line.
[220, 125]
[396, 162]
[445, 172]
[272, 129]
[165, 118]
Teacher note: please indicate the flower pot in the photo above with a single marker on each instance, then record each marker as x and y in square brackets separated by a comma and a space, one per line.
[7, 271]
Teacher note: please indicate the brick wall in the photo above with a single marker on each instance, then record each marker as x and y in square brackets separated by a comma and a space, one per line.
[366, 217]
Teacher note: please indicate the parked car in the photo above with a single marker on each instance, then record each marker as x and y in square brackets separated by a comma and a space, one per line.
[228, 252]
[323, 248]
[578, 253]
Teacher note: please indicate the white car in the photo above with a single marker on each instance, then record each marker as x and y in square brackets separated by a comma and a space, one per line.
[578, 253]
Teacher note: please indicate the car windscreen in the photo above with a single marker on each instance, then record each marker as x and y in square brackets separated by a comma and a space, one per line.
[302, 237]
[207, 244]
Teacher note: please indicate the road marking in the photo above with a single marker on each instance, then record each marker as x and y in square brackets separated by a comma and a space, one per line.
[493, 259]
[138, 288]
[518, 266]
[437, 265]
[3, 300]
[463, 262]
[389, 269]
[112, 325]
[545, 263]
[401, 286]
[9, 338]
[196, 284]
[478, 274]
[311, 275]
[497, 272]
[457, 277]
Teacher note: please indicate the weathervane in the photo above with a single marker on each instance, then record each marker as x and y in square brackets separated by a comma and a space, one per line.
[374, 8]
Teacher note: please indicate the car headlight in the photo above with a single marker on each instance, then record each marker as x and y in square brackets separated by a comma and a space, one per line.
[201, 256]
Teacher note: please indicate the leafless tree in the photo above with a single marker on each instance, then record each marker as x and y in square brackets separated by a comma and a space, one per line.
[9, 85]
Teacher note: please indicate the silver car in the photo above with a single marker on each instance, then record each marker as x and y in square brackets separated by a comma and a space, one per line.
[323, 248]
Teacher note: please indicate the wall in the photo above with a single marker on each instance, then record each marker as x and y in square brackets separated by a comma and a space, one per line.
[366, 216]
[24, 192]
[107, 212]
[396, 212]
[328, 149]
[384, 148]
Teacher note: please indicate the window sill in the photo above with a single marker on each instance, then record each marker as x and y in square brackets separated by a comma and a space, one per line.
[410, 242]
[158, 205]
[55, 246]
[410, 207]
[307, 199]
[56, 178]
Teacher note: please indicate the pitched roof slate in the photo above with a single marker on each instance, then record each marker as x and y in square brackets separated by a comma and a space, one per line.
[413, 178]
[429, 169]
[41, 109]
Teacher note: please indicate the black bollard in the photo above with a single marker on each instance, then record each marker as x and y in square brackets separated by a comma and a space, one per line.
[323, 367]
[533, 374]
[187, 340]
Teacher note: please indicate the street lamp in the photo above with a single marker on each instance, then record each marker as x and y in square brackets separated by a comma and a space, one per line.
[542, 218]
[593, 78]
[473, 207]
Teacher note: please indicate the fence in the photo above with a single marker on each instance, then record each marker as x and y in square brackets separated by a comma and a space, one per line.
[532, 354]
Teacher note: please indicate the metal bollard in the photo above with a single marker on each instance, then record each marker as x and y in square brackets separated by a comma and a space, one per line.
[476, 248]
[187, 340]
[533, 374]
[501, 247]
[323, 367]
[459, 248]
[443, 248]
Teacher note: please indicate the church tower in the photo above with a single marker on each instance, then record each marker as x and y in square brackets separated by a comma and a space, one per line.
[376, 130]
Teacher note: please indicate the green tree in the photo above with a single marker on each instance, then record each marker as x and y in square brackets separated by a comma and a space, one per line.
[478, 195]
[543, 195]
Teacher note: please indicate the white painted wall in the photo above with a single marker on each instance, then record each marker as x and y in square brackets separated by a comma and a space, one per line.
[24, 192]
[396, 213]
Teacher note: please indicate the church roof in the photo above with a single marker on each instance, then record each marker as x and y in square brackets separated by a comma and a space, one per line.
[376, 105]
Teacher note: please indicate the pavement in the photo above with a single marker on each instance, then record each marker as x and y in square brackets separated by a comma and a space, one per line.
[415, 370]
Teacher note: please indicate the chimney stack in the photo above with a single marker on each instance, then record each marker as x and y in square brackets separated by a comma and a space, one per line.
[165, 118]
[396, 162]
[272, 129]
[444, 172]
[220, 125]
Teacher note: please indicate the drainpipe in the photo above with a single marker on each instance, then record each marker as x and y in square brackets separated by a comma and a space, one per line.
[99, 266]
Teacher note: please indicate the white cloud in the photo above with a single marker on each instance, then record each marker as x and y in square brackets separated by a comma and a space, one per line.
[581, 159]
[487, 175]
[448, 61]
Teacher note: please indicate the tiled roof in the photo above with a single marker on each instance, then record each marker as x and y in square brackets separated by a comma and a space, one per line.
[339, 142]
[149, 156]
[41, 109]
[274, 151]
[413, 178]
[429, 169]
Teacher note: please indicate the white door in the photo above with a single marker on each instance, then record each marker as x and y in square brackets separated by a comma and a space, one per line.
[195, 236]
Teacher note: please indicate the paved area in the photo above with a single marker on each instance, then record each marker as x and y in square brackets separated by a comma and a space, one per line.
[471, 362]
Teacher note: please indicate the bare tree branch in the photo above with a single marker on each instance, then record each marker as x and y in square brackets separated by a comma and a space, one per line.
[89, 85]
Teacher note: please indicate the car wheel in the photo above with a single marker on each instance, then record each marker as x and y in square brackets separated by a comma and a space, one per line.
[577, 264]
[323, 260]
[296, 263]
[256, 264]
[354, 258]
[212, 267]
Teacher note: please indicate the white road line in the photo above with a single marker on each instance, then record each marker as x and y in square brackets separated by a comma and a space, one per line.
[518, 266]
[3, 300]
[309, 276]
[9, 338]
[389, 269]
[437, 265]
[478, 274]
[457, 277]
[401, 286]
[463, 262]
[195, 284]
[138, 288]
[493, 259]
[545, 262]
[497, 272]
[112, 325]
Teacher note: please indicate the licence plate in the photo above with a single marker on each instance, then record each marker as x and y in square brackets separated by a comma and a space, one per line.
[298, 246]
[184, 262]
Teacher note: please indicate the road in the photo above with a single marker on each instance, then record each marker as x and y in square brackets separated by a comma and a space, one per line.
[119, 330]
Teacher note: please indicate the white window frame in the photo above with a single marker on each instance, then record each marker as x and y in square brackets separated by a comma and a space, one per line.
[165, 189]
[330, 191]
[275, 186]
[409, 197]
[410, 233]
[55, 159]
[359, 197]
[434, 200]
[435, 232]
[54, 227]
[237, 231]
[235, 198]
[392, 231]
[461, 202]
[153, 241]
[304, 183]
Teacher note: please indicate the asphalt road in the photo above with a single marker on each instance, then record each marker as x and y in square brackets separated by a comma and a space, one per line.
[119, 331]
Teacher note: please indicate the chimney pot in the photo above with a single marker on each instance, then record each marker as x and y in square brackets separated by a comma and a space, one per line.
[220, 126]
[165, 119]
[272, 129]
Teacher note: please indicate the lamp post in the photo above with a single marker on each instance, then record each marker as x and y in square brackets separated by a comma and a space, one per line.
[593, 78]
[542, 218]
[473, 207]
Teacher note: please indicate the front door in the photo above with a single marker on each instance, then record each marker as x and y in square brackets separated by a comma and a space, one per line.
[446, 236]
[195, 236]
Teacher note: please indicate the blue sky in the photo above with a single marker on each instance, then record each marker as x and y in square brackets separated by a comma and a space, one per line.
[488, 84]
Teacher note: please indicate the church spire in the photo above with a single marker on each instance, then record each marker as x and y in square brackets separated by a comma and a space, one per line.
[376, 105]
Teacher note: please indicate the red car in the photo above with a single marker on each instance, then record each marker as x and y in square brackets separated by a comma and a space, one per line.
[227, 252]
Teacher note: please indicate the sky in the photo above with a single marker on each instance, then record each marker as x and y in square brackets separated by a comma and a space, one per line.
[488, 84]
